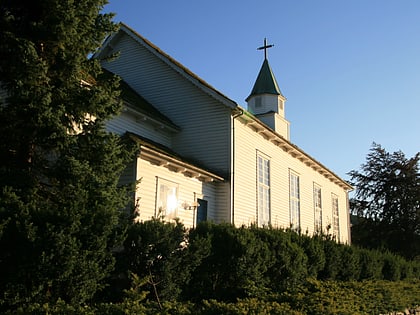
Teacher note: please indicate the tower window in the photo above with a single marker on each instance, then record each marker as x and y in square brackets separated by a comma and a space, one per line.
[258, 102]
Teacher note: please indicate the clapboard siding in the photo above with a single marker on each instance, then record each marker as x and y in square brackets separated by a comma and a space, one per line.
[222, 203]
[146, 192]
[204, 121]
[247, 144]
[127, 122]
[208, 134]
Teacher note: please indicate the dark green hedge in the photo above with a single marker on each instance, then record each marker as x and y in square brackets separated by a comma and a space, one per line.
[220, 269]
[313, 298]
[222, 262]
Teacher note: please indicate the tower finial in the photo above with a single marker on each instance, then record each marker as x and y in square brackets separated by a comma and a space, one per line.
[265, 47]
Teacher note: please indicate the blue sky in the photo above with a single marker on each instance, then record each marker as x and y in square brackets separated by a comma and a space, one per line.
[350, 70]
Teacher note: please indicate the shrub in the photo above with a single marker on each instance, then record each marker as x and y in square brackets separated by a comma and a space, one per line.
[235, 266]
[349, 264]
[370, 265]
[391, 269]
[157, 251]
[332, 260]
[314, 250]
[289, 267]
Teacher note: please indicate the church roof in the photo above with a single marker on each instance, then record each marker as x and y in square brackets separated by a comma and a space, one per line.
[266, 82]
[177, 66]
[140, 104]
[155, 152]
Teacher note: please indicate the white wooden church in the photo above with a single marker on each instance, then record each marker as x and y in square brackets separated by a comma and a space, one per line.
[204, 157]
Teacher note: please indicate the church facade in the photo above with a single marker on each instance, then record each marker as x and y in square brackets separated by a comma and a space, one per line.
[204, 157]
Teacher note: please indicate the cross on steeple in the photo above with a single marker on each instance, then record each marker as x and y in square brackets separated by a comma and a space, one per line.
[265, 47]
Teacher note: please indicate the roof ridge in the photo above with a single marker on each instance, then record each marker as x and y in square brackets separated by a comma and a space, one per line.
[184, 69]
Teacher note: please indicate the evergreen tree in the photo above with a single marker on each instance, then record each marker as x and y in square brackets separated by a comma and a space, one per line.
[387, 202]
[59, 197]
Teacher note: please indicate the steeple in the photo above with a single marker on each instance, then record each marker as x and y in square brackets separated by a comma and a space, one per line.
[266, 83]
[266, 100]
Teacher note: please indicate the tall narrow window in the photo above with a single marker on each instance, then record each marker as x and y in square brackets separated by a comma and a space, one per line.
[335, 212]
[294, 201]
[317, 208]
[263, 173]
[167, 199]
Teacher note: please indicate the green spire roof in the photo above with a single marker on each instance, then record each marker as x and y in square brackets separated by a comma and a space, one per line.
[266, 82]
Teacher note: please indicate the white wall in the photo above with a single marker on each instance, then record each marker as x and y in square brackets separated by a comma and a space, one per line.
[126, 121]
[247, 144]
[204, 121]
[146, 191]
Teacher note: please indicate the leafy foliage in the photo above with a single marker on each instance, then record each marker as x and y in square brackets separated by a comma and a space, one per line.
[367, 297]
[179, 269]
[316, 297]
[225, 263]
[387, 202]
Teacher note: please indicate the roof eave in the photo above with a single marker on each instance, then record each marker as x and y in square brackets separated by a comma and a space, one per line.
[159, 155]
[175, 165]
[270, 135]
[145, 117]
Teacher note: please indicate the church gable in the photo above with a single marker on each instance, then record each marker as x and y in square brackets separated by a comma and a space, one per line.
[262, 177]
[202, 113]
[131, 48]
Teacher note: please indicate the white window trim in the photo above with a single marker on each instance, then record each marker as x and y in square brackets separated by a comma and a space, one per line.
[317, 195]
[335, 216]
[263, 189]
[166, 207]
[294, 200]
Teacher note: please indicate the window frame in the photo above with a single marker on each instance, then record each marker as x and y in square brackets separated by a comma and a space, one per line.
[317, 195]
[335, 216]
[263, 192]
[294, 199]
[163, 186]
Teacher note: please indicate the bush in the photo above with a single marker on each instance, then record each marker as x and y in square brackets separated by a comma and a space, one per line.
[333, 260]
[246, 306]
[235, 267]
[314, 250]
[349, 264]
[371, 265]
[157, 251]
[58, 308]
[312, 298]
[348, 298]
[289, 266]
[392, 265]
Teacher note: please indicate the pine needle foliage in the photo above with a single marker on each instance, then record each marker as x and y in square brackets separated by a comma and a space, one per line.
[387, 202]
[59, 196]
